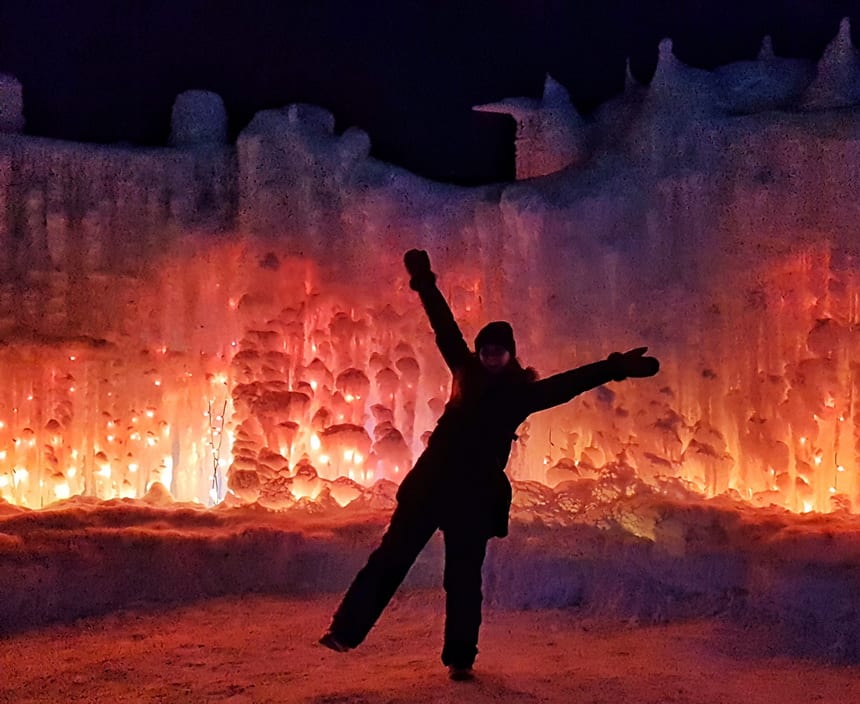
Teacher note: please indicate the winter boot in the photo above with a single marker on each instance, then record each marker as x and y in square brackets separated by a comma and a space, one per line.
[330, 640]
[460, 673]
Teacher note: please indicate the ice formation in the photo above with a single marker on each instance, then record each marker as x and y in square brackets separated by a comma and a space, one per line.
[198, 118]
[11, 104]
[768, 83]
[234, 322]
[838, 81]
[550, 133]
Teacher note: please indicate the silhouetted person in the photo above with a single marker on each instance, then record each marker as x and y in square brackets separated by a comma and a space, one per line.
[458, 484]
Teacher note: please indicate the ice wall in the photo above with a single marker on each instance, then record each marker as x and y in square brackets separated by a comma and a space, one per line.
[167, 314]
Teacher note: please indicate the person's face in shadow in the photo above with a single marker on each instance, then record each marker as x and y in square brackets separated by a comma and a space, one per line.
[494, 358]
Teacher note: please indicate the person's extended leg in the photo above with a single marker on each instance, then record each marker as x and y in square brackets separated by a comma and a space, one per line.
[371, 590]
[464, 557]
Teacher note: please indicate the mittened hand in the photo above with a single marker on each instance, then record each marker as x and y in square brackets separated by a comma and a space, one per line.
[633, 363]
[417, 264]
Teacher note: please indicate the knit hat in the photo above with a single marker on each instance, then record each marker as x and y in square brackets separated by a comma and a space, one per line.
[499, 333]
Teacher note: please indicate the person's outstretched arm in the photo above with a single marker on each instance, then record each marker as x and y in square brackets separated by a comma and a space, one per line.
[561, 388]
[449, 338]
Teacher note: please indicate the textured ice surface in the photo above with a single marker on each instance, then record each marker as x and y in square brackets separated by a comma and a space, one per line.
[550, 133]
[198, 118]
[166, 311]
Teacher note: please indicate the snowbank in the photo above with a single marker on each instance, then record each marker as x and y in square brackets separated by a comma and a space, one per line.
[646, 558]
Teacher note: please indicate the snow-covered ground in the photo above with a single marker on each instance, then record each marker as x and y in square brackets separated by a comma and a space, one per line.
[262, 649]
[640, 599]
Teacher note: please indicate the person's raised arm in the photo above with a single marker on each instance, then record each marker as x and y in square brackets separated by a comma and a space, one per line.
[561, 388]
[449, 338]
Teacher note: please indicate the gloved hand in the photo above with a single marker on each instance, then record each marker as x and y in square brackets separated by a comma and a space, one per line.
[417, 263]
[633, 363]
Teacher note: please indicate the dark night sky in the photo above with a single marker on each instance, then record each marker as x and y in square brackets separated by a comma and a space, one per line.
[406, 71]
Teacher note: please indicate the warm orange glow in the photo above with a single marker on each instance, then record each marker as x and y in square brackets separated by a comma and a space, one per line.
[295, 384]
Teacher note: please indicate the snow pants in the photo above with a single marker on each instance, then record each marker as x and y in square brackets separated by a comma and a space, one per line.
[410, 529]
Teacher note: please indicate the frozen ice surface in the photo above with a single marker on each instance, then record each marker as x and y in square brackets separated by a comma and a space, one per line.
[245, 275]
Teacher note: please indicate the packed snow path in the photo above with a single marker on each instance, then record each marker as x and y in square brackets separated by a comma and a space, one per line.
[263, 649]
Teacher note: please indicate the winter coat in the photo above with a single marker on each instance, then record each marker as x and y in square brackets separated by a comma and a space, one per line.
[460, 475]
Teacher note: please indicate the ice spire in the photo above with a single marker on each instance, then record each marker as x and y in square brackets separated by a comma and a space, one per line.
[838, 81]
[550, 132]
[677, 90]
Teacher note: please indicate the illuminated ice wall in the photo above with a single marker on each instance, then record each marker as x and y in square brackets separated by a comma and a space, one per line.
[233, 321]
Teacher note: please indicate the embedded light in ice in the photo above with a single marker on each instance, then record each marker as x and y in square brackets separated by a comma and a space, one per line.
[267, 358]
[62, 490]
